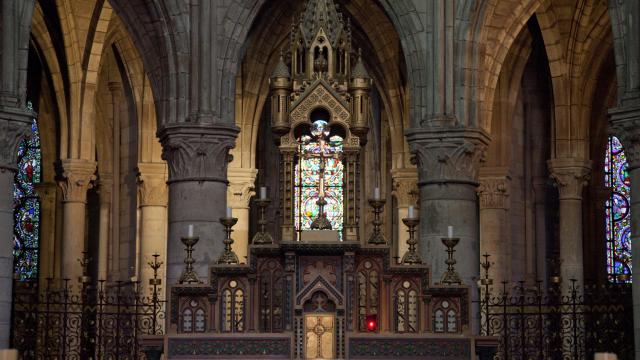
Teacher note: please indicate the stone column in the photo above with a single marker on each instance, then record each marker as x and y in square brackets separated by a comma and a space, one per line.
[405, 190]
[105, 190]
[540, 198]
[14, 126]
[448, 161]
[47, 252]
[625, 123]
[78, 176]
[197, 156]
[152, 190]
[570, 176]
[241, 189]
[493, 194]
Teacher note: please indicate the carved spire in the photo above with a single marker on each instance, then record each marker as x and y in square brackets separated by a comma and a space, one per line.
[281, 70]
[321, 14]
[359, 71]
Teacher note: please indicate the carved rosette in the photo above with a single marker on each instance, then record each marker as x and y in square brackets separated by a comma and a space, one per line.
[152, 184]
[625, 124]
[77, 178]
[446, 155]
[570, 176]
[15, 125]
[494, 193]
[197, 152]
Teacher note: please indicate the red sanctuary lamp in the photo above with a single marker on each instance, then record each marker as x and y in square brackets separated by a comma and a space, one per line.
[371, 322]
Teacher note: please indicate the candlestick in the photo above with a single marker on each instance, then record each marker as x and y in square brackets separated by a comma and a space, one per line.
[450, 276]
[377, 237]
[190, 230]
[411, 256]
[228, 256]
[263, 192]
[188, 275]
[450, 231]
[376, 193]
[262, 237]
[410, 215]
[229, 212]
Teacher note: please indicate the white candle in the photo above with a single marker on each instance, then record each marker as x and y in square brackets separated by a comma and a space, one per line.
[376, 193]
[190, 230]
[410, 212]
[450, 231]
[263, 192]
[228, 212]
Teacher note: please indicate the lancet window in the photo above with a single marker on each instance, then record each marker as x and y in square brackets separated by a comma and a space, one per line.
[406, 307]
[617, 211]
[233, 307]
[368, 282]
[26, 231]
[271, 296]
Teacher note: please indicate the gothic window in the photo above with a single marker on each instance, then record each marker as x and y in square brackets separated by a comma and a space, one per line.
[271, 296]
[617, 210]
[26, 231]
[445, 318]
[312, 154]
[368, 288]
[232, 308]
[406, 308]
[194, 318]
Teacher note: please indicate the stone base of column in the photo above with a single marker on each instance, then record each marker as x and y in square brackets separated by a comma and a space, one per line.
[9, 354]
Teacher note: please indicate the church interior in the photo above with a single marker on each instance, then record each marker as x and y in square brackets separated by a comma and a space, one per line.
[319, 179]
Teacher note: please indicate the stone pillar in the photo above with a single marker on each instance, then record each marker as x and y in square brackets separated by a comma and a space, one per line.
[14, 126]
[152, 190]
[493, 194]
[105, 189]
[241, 189]
[570, 176]
[78, 176]
[405, 190]
[448, 161]
[625, 123]
[48, 261]
[197, 156]
[540, 199]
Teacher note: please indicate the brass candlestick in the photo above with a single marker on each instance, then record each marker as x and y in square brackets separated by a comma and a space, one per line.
[377, 237]
[411, 256]
[262, 237]
[321, 222]
[155, 265]
[188, 275]
[228, 256]
[486, 265]
[450, 276]
[84, 263]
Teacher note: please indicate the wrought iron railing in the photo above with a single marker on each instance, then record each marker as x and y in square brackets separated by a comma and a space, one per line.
[63, 319]
[570, 322]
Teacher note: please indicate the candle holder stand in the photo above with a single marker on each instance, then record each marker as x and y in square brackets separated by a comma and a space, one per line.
[411, 257]
[321, 222]
[262, 237]
[228, 256]
[188, 275]
[377, 237]
[451, 275]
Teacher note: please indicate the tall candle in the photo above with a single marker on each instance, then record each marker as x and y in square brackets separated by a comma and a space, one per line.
[190, 230]
[450, 231]
[229, 212]
[376, 193]
[410, 212]
[263, 192]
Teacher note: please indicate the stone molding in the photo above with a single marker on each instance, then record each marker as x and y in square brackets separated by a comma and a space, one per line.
[570, 175]
[152, 184]
[493, 191]
[15, 125]
[78, 176]
[241, 187]
[446, 155]
[197, 152]
[625, 124]
[405, 187]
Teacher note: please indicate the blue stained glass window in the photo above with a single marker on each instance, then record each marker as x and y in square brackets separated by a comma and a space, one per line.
[26, 231]
[617, 209]
[307, 174]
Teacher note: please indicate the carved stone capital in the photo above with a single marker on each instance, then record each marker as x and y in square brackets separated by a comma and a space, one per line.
[405, 187]
[570, 176]
[493, 190]
[77, 177]
[241, 187]
[105, 188]
[15, 125]
[152, 184]
[625, 124]
[197, 152]
[446, 155]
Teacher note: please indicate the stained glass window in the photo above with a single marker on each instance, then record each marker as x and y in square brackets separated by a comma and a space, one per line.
[618, 218]
[26, 232]
[307, 175]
